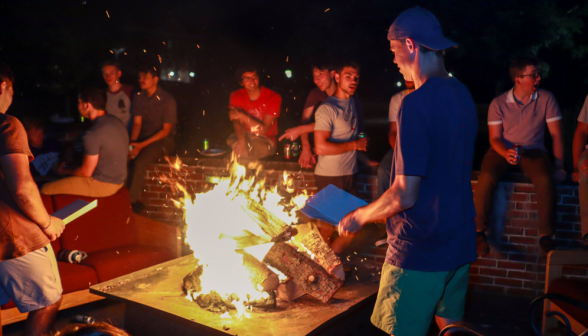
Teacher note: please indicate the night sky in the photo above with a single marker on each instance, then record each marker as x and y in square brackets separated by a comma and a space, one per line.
[56, 48]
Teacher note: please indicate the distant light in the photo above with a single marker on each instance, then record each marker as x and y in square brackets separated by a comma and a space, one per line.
[171, 73]
[450, 74]
[398, 84]
[289, 73]
[192, 74]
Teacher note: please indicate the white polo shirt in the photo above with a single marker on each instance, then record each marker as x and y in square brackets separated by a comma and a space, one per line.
[524, 124]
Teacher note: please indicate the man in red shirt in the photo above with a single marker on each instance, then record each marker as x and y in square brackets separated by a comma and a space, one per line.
[254, 111]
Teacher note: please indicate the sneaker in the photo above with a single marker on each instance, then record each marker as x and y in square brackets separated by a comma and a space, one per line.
[138, 207]
[482, 247]
[585, 241]
[546, 245]
[382, 241]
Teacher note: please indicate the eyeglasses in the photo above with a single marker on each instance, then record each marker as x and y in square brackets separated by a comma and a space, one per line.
[534, 75]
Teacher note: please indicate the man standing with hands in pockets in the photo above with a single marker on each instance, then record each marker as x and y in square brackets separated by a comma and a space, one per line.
[429, 206]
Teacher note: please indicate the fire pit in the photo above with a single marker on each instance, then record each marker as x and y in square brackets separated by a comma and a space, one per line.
[157, 306]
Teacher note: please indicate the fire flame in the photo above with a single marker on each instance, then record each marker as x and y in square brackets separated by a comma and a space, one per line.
[217, 225]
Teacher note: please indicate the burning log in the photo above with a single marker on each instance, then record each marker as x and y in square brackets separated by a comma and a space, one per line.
[307, 275]
[323, 254]
[259, 273]
[274, 227]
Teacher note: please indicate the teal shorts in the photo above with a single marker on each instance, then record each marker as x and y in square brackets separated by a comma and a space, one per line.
[407, 299]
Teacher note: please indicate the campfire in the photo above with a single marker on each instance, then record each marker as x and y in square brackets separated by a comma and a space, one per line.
[251, 247]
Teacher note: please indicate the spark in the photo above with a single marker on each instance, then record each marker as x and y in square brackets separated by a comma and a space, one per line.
[163, 43]
[112, 52]
[144, 50]
[357, 278]
[287, 59]
[154, 69]
[203, 112]
[158, 98]
[326, 10]
[107, 14]
[198, 46]
[355, 252]
[159, 58]
[125, 54]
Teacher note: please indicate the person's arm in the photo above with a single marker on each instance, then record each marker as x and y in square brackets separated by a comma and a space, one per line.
[256, 126]
[325, 147]
[495, 132]
[24, 192]
[555, 129]
[137, 121]
[305, 126]
[392, 133]
[298, 131]
[402, 195]
[578, 147]
[87, 168]
[161, 134]
[363, 158]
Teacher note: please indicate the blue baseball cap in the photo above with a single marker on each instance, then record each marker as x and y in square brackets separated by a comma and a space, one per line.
[422, 26]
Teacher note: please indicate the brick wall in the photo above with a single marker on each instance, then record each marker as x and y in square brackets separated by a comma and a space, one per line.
[514, 265]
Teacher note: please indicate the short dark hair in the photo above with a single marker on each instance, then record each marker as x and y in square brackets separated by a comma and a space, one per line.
[245, 68]
[323, 65]
[6, 74]
[33, 123]
[344, 64]
[111, 63]
[149, 69]
[94, 96]
[519, 64]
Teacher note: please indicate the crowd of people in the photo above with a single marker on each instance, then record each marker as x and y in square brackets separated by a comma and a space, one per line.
[435, 224]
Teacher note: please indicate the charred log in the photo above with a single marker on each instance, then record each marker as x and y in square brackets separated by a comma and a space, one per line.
[307, 275]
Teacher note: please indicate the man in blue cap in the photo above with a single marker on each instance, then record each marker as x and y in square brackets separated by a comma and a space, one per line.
[429, 206]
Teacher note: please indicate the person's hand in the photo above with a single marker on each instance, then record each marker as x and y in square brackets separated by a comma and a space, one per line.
[362, 144]
[575, 176]
[55, 228]
[349, 224]
[307, 160]
[559, 175]
[234, 114]
[373, 163]
[512, 157]
[136, 149]
[290, 134]
[584, 167]
[241, 149]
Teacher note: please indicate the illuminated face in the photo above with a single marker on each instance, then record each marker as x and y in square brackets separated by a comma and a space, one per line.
[322, 78]
[35, 136]
[529, 80]
[83, 108]
[250, 81]
[147, 81]
[348, 80]
[111, 74]
[402, 58]
[6, 96]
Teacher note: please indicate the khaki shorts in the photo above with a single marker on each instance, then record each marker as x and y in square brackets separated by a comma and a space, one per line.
[32, 281]
[407, 300]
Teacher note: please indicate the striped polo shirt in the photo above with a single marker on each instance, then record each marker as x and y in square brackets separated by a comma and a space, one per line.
[524, 124]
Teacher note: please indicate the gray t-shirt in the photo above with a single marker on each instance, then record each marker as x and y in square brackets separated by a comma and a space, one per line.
[583, 117]
[118, 104]
[340, 117]
[395, 103]
[156, 110]
[108, 138]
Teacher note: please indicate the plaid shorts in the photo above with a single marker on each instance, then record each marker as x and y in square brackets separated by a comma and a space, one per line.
[407, 300]
[32, 281]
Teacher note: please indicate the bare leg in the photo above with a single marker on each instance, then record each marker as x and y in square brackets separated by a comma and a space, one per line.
[40, 321]
[443, 322]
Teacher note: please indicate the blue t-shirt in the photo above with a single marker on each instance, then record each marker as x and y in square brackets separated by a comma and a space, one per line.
[437, 127]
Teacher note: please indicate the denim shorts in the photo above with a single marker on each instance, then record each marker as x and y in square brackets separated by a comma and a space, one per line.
[408, 300]
[32, 281]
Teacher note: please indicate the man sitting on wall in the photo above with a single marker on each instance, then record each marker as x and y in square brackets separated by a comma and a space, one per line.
[254, 111]
[518, 117]
[580, 154]
[106, 143]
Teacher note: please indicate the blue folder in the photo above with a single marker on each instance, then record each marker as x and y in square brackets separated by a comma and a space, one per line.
[331, 204]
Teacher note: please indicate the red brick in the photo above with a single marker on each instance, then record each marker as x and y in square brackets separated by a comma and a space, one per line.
[566, 227]
[522, 275]
[521, 292]
[474, 270]
[527, 206]
[517, 214]
[569, 209]
[477, 279]
[568, 235]
[570, 218]
[492, 271]
[525, 188]
[160, 188]
[496, 255]
[522, 240]
[146, 195]
[508, 282]
[513, 265]
[570, 270]
[518, 197]
[535, 268]
[573, 200]
[485, 262]
[531, 232]
[162, 202]
[522, 257]
[534, 198]
[537, 285]
[533, 249]
[513, 231]
[489, 288]
[512, 248]
[521, 223]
